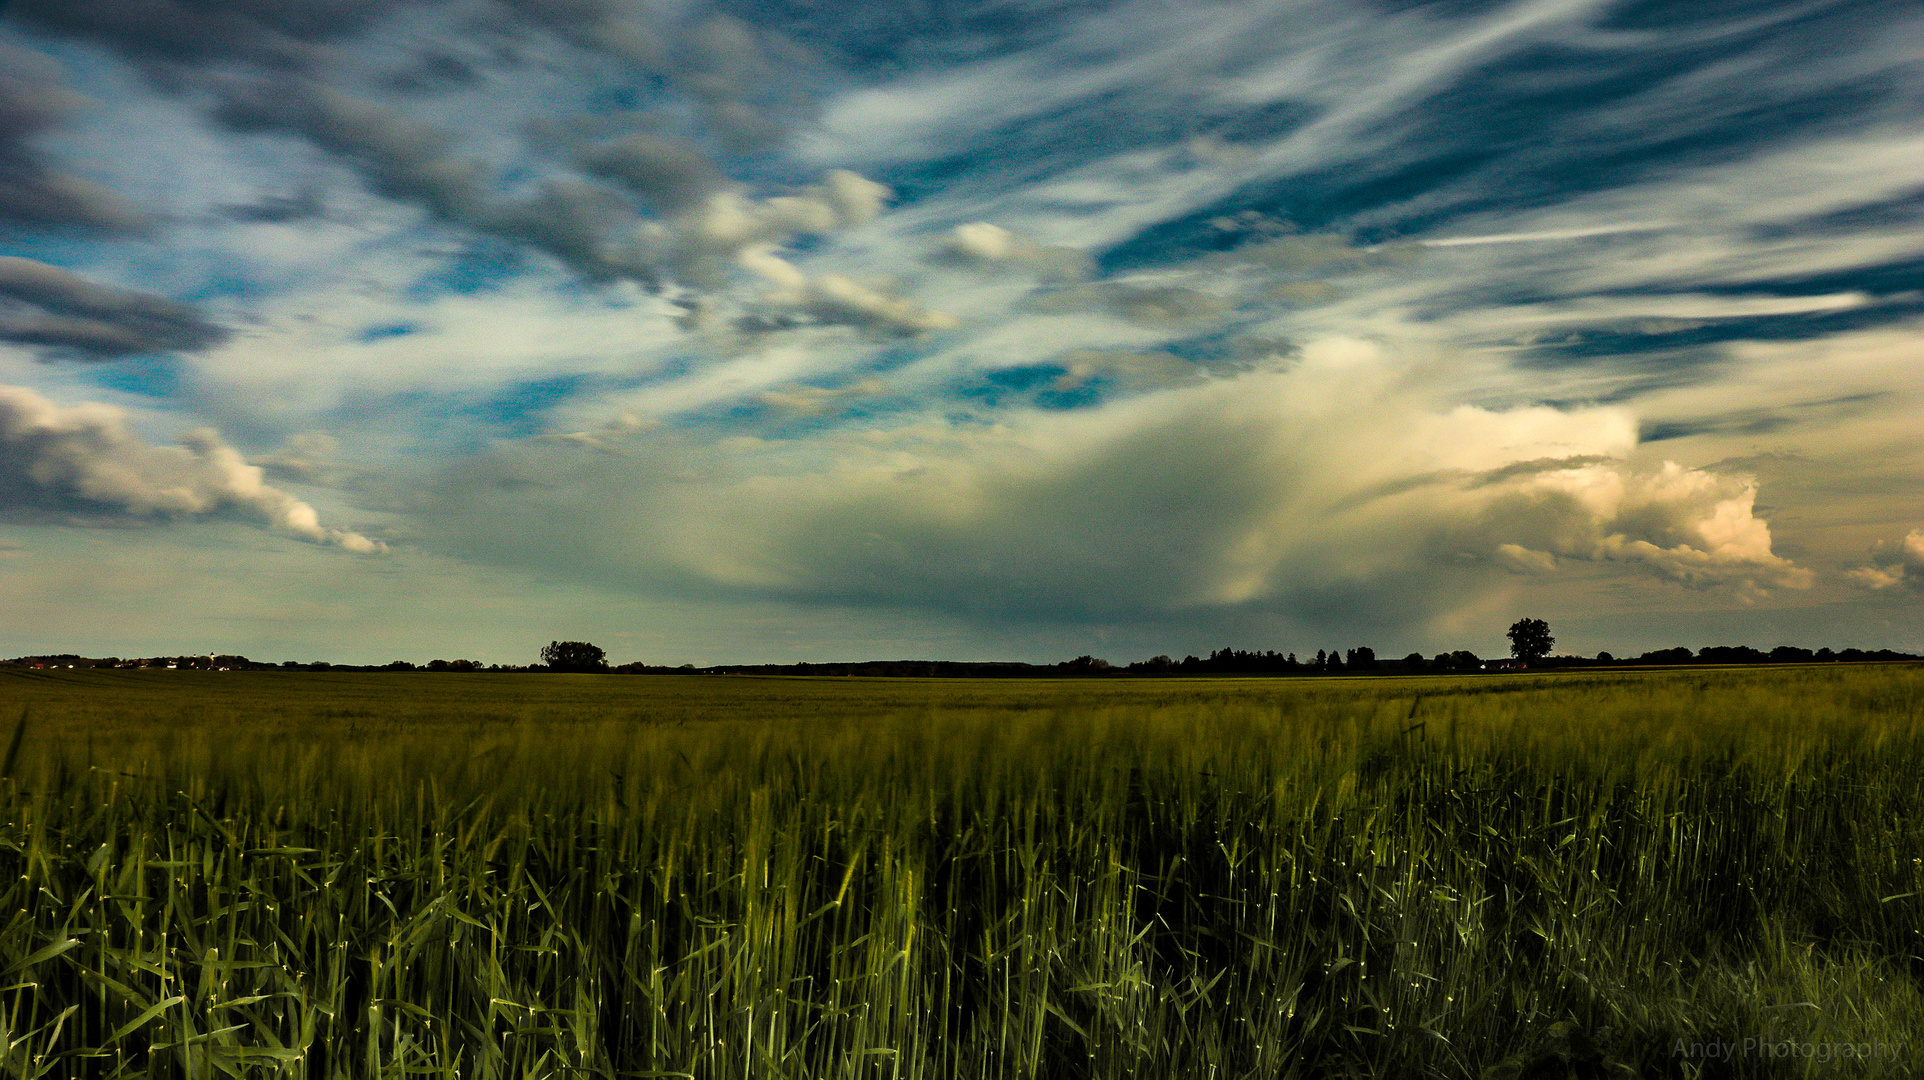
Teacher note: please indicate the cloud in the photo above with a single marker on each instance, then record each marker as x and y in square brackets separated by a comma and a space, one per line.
[671, 176]
[32, 191]
[981, 244]
[1162, 307]
[805, 400]
[740, 81]
[749, 233]
[87, 460]
[371, 364]
[46, 306]
[400, 158]
[834, 299]
[733, 71]
[1895, 563]
[1118, 289]
[837, 299]
[309, 457]
[1691, 525]
[610, 437]
[1123, 371]
[740, 78]
[730, 226]
[1213, 293]
[1270, 490]
[189, 33]
[655, 209]
[705, 228]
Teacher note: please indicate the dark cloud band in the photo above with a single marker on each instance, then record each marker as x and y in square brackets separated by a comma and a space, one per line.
[32, 191]
[46, 306]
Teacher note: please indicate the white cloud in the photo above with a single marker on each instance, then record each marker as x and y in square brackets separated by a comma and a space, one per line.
[86, 458]
[1730, 223]
[837, 300]
[1120, 48]
[1895, 563]
[729, 223]
[982, 244]
[342, 353]
[1543, 236]
[1692, 525]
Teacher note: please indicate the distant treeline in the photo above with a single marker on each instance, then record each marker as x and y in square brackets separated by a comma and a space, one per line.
[1225, 661]
[1359, 660]
[1363, 659]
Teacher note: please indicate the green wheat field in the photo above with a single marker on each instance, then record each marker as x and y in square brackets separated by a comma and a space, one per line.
[1690, 873]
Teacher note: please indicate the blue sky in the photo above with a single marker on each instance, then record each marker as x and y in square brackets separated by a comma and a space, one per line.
[377, 329]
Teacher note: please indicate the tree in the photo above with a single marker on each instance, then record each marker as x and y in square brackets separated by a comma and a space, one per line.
[574, 656]
[1678, 655]
[1530, 639]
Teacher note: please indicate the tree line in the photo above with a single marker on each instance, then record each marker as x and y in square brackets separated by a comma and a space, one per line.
[1530, 646]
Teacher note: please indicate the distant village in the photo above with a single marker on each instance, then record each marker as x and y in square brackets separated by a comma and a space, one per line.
[1224, 661]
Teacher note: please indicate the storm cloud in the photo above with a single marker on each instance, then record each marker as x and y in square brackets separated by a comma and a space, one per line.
[1269, 490]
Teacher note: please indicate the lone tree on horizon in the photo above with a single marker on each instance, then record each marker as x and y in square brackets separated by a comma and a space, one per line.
[1530, 639]
[574, 656]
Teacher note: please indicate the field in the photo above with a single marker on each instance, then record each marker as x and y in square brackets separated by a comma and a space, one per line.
[1694, 873]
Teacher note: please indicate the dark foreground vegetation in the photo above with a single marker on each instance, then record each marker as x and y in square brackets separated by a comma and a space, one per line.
[1708, 873]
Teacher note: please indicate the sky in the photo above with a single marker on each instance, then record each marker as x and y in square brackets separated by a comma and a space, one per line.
[365, 330]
